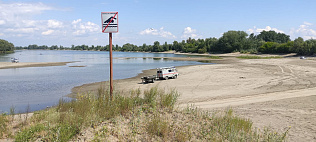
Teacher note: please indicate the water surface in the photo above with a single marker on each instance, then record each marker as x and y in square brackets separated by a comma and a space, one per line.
[39, 87]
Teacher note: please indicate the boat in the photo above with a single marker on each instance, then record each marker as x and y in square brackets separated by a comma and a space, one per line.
[14, 60]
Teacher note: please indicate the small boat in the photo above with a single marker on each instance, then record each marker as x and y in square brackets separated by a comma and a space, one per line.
[14, 60]
[303, 57]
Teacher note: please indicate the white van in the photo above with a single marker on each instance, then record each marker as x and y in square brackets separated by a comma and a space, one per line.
[167, 72]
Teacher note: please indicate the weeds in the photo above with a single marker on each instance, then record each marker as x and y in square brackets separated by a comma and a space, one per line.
[130, 117]
[29, 134]
[3, 124]
[158, 126]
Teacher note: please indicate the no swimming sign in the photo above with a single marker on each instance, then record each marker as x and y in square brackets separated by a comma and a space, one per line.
[109, 22]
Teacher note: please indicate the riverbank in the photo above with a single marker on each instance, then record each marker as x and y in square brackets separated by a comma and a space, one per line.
[7, 65]
[279, 93]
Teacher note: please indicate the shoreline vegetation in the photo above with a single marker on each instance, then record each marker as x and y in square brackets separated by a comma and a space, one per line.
[267, 42]
[150, 115]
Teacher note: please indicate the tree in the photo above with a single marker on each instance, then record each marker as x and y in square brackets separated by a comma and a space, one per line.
[304, 48]
[176, 46]
[285, 47]
[166, 47]
[6, 47]
[268, 47]
[231, 41]
[157, 47]
[211, 44]
[298, 46]
[272, 36]
[312, 45]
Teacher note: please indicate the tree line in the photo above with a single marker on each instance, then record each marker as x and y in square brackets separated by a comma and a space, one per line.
[231, 41]
[6, 47]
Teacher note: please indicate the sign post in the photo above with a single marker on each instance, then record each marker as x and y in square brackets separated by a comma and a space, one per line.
[110, 25]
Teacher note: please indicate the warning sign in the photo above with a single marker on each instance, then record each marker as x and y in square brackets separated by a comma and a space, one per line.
[109, 22]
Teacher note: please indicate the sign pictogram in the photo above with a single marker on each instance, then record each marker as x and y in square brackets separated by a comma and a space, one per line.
[109, 22]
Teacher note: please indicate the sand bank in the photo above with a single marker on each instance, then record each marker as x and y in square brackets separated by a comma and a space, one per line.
[280, 93]
[7, 65]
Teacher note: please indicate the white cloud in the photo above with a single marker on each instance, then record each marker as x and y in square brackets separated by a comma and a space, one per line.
[28, 23]
[17, 17]
[149, 31]
[2, 22]
[21, 30]
[189, 32]
[306, 31]
[17, 11]
[76, 21]
[256, 30]
[54, 24]
[17, 23]
[82, 28]
[307, 23]
[48, 32]
[161, 33]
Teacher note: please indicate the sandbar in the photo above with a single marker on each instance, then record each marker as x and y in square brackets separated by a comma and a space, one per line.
[7, 65]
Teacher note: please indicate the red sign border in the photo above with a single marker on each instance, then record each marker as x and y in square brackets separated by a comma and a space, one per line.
[116, 15]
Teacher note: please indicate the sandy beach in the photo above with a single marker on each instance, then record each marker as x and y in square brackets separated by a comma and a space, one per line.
[7, 65]
[279, 93]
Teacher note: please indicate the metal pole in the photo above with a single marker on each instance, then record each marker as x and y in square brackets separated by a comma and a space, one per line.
[111, 67]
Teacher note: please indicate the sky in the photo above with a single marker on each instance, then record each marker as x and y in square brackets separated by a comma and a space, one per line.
[78, 22]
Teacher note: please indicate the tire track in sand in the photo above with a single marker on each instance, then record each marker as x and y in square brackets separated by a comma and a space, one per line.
[230, 102]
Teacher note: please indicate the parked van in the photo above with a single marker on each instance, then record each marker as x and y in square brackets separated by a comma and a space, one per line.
[167, 72]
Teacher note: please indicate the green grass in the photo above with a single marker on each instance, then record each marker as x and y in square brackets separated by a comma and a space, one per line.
[259, 57]
[214, 57]
[150, 115]
[3, 124]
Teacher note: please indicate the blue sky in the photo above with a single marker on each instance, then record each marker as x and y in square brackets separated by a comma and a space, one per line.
[77, 22]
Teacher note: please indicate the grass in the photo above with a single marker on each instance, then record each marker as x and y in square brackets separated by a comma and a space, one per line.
[3, 125]
[149, 115]
[259, 57]
[214, 57]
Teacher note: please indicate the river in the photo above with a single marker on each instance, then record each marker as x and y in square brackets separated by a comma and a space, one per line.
[35, 88]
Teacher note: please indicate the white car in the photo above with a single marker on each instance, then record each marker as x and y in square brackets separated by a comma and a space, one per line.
[167, 72]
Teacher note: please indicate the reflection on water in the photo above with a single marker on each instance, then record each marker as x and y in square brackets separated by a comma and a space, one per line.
[40, 87]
